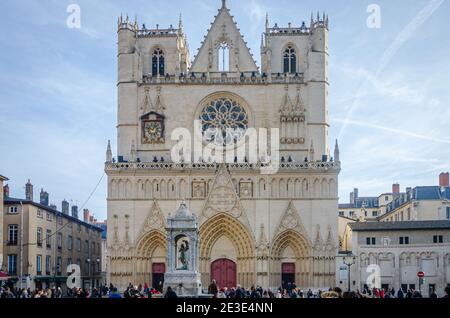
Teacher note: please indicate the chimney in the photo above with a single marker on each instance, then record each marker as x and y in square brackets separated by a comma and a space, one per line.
[444, 179]
[6, 191]
[44, 198]
[75, 211]
[86, 215]
[65, 207]
[396, 188]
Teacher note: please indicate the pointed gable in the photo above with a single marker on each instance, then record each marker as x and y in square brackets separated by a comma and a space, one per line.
[223, 198]
[224, 30]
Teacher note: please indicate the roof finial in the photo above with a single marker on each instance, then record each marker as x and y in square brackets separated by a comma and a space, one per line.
[267, 20]
[224, 4]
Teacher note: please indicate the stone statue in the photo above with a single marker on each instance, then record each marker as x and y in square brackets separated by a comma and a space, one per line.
[183, 259]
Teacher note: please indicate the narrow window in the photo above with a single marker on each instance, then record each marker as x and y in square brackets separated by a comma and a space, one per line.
[289, 60]
[158, 63]
[224, 57]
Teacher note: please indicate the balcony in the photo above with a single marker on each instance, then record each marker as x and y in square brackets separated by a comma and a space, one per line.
[131, 166]
[224, 78]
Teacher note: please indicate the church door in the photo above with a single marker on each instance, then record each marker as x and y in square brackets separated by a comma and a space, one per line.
[287, 274]
[224, 272]
[158, 270]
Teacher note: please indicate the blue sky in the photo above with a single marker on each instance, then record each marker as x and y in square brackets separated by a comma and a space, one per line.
[389, 93]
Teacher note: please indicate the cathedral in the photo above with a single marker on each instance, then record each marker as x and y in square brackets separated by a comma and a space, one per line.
[254, 228]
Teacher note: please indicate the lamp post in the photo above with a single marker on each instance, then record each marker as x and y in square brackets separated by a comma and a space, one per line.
[349, 261]
[88, 261]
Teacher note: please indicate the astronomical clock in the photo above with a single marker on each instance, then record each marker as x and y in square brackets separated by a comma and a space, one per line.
[153, 128]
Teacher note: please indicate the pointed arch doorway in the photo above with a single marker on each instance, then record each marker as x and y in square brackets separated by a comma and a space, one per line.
[224, 272]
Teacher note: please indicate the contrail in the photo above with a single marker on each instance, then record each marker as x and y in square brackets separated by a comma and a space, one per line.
[393, 130]
[401, 38]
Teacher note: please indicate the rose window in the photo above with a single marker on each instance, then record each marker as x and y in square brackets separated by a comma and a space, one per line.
[224, 122]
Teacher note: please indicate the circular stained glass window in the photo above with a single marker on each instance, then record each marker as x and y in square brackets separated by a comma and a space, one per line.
[224, 122]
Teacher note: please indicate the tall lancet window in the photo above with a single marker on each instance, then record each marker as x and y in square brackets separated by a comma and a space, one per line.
[224, 57]
[158, 62]
[289, 60]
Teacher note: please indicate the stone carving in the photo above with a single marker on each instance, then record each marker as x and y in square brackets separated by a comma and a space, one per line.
[290, 220]
[154, 220]
[246, 189]
[198, 190]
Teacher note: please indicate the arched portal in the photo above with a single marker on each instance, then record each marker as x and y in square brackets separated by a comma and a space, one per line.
[291, 259]
[226, 226]
[150, 259]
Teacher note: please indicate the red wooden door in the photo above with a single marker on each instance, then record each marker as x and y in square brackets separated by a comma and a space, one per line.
[223, 271]
[158, 270]
[287, 274]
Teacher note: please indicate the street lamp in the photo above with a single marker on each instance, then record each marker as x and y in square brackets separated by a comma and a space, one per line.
[349, 261]
[88, 261]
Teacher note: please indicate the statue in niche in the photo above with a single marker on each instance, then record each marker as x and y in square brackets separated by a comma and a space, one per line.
[184, 247]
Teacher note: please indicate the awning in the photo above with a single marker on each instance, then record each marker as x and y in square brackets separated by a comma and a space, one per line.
[4, 276]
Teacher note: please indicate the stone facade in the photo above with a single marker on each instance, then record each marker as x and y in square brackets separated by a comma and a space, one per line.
[256, 222]
[427, 249]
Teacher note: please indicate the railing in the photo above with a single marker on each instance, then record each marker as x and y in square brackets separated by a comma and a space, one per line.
[122, 166]
[218, 78]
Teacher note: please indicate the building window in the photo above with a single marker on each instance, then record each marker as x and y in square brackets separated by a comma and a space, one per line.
[158, 62]
[409, 214]
[86, 244]
[78, 245]
[13, 210]
[70, 242]
[386, 198]
[341, 213]
[59, 220]
[48, 264]
[39, 264]
[448, 212]
[93, 248]
[40, 214]
[58, 265]
[59, 240]
[12, 264]
[224, 57]
[438, 239]
[371, 241]
[49, 216]
[69, 261]
[351, 214]
[375, 213]
[48, 239]
[39, 237]
[79, 227]
[289, 60]
[13, 234]
[404, 240]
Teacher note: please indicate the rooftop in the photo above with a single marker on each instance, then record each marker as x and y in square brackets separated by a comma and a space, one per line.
[403, 225]
[49, 209]
[3, 178]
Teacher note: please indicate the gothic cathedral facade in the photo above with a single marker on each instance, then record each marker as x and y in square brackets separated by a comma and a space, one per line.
[255, 229]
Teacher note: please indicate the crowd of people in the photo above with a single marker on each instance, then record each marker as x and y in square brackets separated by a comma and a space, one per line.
[288, 291]
[292, 291]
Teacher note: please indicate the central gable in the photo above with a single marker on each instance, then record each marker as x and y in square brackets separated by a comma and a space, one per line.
[224, 32]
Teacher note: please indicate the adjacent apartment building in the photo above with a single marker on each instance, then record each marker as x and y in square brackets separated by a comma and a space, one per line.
[40, 243]
[401, 250]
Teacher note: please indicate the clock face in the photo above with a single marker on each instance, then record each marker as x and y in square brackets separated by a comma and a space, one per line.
[153, 132]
